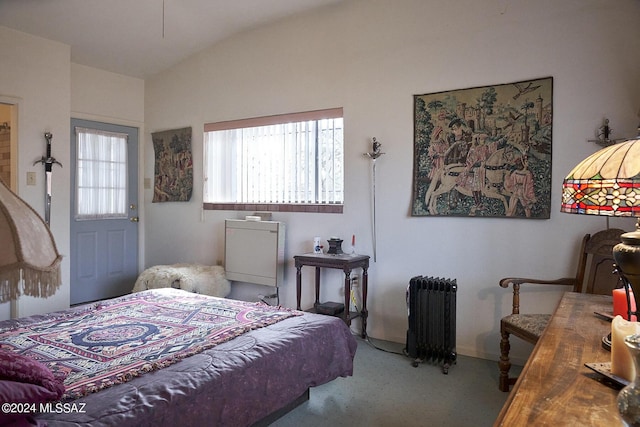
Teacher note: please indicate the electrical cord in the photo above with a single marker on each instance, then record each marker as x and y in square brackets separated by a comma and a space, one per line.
[275, 296]
[369, 341]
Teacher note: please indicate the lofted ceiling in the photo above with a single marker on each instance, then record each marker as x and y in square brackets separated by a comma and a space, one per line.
[140, 38]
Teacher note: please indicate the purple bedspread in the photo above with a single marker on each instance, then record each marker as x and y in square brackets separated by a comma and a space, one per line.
[233, 384]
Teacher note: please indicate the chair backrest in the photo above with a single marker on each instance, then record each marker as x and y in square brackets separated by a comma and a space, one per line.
[595, 268]
[595, 273]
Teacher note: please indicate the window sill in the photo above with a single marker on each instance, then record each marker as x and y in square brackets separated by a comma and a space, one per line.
[271, 207]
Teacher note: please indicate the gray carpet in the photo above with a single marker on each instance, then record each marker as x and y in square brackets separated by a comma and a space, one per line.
[386, 390]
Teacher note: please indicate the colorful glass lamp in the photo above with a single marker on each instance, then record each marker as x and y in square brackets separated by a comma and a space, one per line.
[608, 183]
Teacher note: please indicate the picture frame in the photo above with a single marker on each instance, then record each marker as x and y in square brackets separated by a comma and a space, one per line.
[484, 151]
[173, 175]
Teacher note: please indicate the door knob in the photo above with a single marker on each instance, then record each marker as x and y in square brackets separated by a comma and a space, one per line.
[134, 219]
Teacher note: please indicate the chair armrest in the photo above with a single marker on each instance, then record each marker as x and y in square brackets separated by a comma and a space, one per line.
[568, 281]
[517, 281]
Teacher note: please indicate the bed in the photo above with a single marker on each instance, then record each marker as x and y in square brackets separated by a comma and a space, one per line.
[238, 375]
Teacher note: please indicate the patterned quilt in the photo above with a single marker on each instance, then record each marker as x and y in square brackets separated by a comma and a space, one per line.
[114, 341]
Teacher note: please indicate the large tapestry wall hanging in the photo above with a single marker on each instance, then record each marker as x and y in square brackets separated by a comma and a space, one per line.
[484, 151]
[173, 179]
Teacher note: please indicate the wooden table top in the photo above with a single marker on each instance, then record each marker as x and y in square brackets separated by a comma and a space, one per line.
[332, 261]
[555, 388]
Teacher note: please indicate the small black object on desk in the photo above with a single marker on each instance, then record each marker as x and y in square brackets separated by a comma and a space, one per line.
[335, 246]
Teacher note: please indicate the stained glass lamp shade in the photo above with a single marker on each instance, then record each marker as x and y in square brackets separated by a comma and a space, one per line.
[605, 183]
[608, 183]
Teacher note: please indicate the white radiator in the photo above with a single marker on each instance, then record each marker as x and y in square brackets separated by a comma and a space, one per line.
[254, 251]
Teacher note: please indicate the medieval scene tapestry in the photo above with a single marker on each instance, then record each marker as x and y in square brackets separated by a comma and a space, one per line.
[173, 179]
[484, 151]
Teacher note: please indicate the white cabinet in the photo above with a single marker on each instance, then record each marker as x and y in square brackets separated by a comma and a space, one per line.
[254, 251]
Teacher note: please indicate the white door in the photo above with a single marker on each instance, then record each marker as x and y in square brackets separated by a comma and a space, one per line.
[104, 210]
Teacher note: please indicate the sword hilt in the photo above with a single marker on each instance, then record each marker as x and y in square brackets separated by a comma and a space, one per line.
[48, 136]
[47, 160]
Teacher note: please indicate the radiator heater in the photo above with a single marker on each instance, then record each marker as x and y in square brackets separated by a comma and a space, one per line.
[431, 336]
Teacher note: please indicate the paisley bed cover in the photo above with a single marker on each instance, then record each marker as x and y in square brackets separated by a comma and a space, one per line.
[236, 377]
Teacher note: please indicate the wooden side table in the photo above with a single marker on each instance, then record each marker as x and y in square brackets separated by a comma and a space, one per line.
[346, 263]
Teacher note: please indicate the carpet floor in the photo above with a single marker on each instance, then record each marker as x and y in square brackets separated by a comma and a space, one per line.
[386, 390]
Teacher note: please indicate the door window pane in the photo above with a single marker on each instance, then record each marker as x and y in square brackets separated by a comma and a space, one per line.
[101, 176]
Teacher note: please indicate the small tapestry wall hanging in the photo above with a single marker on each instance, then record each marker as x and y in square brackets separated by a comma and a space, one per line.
[173, 180]
[484, 151]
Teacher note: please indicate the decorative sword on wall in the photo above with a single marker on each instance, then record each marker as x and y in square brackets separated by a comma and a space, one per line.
[373, 155]
[48, 163]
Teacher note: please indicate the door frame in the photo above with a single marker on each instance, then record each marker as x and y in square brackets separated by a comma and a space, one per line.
[141, 186]
[138, 172]
[13, 105]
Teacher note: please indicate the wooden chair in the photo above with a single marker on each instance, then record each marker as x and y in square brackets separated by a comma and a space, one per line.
[594, 275]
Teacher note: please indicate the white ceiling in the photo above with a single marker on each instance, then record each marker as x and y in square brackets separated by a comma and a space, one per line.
[142, 37]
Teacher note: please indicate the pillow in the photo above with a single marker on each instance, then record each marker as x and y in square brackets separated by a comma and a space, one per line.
[20, 368]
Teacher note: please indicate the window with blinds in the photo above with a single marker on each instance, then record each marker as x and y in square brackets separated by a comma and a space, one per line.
[292, 162]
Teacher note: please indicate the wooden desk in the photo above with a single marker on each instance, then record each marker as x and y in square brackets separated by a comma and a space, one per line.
[555, 388]
[346, 263]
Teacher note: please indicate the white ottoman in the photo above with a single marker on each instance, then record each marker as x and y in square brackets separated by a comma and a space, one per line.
[197, 278]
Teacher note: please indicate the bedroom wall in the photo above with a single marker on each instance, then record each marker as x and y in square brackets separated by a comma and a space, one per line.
[37, 75]
[106, 97]
[371, 57]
